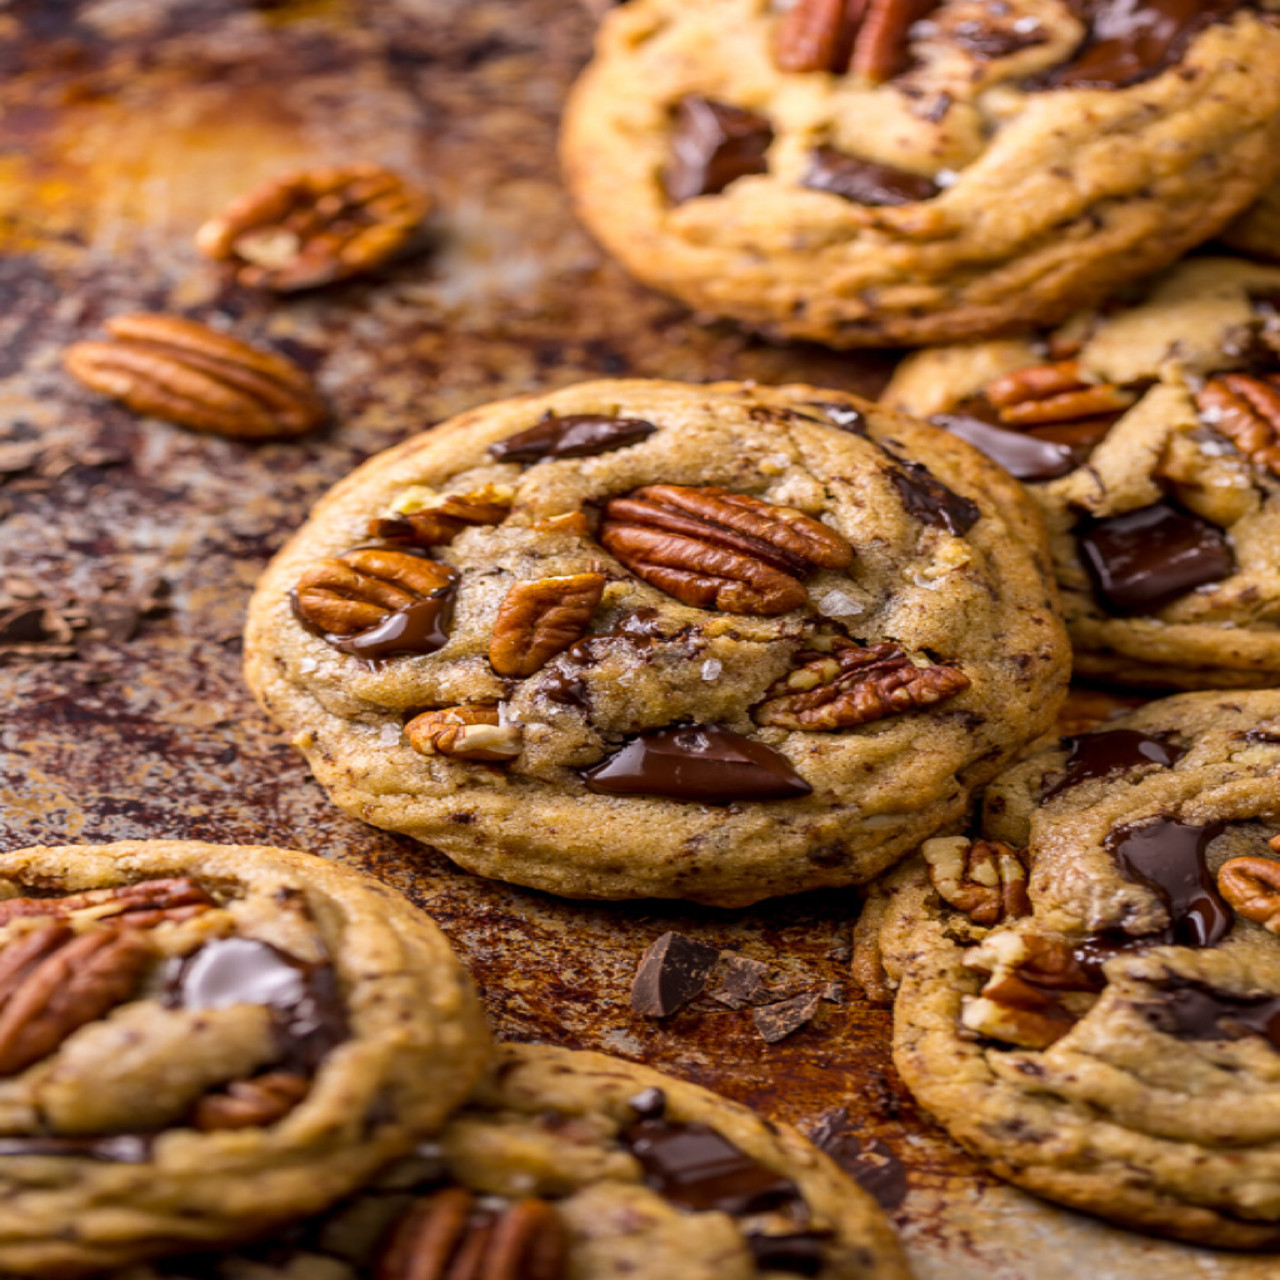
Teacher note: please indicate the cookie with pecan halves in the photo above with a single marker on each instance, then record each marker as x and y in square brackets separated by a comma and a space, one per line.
[716, 643]
[1087, 991]
[896, 172]
[200, 1042]
[1150, 436]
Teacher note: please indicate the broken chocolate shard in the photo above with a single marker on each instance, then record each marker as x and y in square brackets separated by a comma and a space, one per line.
[931, 502]
[1195, 1011]
[672, 972]
[776, 1022]
[697, 764]
[801, 1253]
[1102, 755]
[864, 181]
[714, 144]
[1146, 559]
[743, 982]
[576, 435]
[1023, 456]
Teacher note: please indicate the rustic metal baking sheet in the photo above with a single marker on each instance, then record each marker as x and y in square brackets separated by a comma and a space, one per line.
[123, 123]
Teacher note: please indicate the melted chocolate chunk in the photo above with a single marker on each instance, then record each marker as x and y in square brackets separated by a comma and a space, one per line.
[1099, 755]
[693, 1167]
[844, 416]
[801, 1253]
[577, 435]
[118, 1148]
[1022, 456]
[1262, 735]
[864, 181]
[303, 999]
[672, 972]
[869, 1161]
[714, 144]
[702, 764]
[566, 689]
[1146, 559]
[421, 627]
[1195, 1011]
[931, 502]
[1169, 857]
[649, 1104]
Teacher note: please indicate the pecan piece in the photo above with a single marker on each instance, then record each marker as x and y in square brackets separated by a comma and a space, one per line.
[435, 525]
[187, 373]
[446, 1237]
[1252, 887]
[140, 905]
[719, 550]
[865, 37]
[53, 981]
[1056, 392]
[1246, 410]
[251, 1104]
[345, 595]
[852, 685]
[985, 879]
[465, 733]
[539, 619]
[310, 228]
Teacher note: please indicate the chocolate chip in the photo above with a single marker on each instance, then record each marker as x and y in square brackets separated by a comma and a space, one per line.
[801, 1253]
[649, 1104]
[673, 971]
[576, 435]
[864, 181]
[844, 416]
[714, 144]
[931, 502]
[1145, 559]
[776, 1022]
[1023, 456]
[1100, 755]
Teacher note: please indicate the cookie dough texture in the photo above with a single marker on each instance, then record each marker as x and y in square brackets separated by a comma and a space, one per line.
[1048, 200]
[981, 602]
[136, 1178]
[1190, 323]
[1257, 230]
[1124, 1116]
[548, 1124]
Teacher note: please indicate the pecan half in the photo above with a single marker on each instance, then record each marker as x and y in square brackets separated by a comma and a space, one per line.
[1056, 392]
[719, 550]
[465, 733]
[446, 1237]
[985, 879]
[140, 905]
[1252, 887]
[539, 619]
[1246, 410]
[307, 229]
[344, 595]
[435, 525]
[187, 373]
[251, 1104]
[865, 37]
[851, 686]
[53, 981]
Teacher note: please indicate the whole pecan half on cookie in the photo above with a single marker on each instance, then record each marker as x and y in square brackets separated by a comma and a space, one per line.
[344, 595]
[853, 685]
[251, 1104]
[1246, 410]
[1252, 887]
[719, 550]
[539, 619]
[465, 733]
[1050, 393]
[308, 229]
[865, 37]
[187, 373]
[985, 879]
[139, 905]
[441, 522]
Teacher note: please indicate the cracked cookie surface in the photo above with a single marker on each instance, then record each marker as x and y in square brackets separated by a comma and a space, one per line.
[969, 168]
[199, 1042]
[784, 650]
[1150, 436]
[1110, 1039]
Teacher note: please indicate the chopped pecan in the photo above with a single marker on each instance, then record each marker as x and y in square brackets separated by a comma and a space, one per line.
[344, 595]
[1252, 887]
[307, 229]
[539, 619]
[719, 550]
[465, 733]
[251, 1104]
[1017, 1014]
[1056, 392]
[865, 37]
[447, 1237]
[53, 981]
[190, 374]
[441, 522]
[985, 879]
[852, 685]
[1246, 410]
[140, 905]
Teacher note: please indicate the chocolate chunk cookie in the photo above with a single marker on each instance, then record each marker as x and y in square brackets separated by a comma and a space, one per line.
[1150, 436]
[907, 171]
[1088, 996]
[647, 639]
[581, 1165]
[198, 1042]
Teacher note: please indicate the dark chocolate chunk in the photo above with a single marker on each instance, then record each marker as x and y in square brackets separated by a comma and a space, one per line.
[702, 764]
[1145, 559]
[117, 1148]
[931, 502]
[577, 435]
[1169, 857]
[421, 627]
[714, 144]
[801, 1253]
[869, 1161]
[1023, 456]
[776, 1022]
[1262, 735]
[649, 1104]
[844, 416]
[1099, 755]
[1196, 1011]
[693, 1167]
[743, 982]
[672, 972]
[989, 42]
[864, 181]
